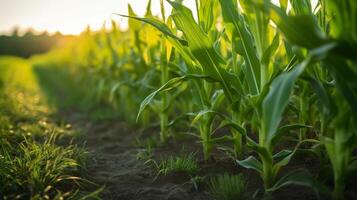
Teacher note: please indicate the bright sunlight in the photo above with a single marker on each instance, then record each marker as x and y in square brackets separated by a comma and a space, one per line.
[69, 16]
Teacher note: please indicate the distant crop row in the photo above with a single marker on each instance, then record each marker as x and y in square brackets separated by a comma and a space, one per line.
[265, 74]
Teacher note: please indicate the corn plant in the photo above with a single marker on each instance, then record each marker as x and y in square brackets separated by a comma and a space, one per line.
[244, 31]
[339, 61]
[194, 60]
[272, 92]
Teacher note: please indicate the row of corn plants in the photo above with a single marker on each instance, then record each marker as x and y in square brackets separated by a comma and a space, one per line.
[265, 71]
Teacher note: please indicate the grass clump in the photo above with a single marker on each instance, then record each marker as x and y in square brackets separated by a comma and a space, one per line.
[33, 164]
[39, 170]
[186, 163]
[228, 187]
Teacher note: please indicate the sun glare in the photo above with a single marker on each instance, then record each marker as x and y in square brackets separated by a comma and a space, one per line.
[69, 16]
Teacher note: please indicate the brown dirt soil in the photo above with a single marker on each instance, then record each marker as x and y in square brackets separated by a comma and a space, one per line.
[114, 164]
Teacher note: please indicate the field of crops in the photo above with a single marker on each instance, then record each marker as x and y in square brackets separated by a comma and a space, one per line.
[236, 99]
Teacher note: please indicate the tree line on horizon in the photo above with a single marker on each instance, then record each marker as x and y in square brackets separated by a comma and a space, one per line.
[29, 43]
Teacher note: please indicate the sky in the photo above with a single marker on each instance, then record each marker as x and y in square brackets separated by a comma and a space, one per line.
[69, 16]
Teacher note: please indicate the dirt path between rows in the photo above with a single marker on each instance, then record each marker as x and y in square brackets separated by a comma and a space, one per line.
[113, 163]
[112, 160]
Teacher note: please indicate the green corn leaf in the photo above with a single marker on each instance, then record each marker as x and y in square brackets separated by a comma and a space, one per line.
[258, 23]
[229, 123]
[330, 147]
[301, 7]
[157, 24]
[207, 112]
[217, 99]
[199, 96]
[208, 57]
[327, 104]
[233, 19]
[345, 77]
[276, 100]
[181, 117]
[225, 138]
[202, 48]
[251, 163]
[177, 42]
[285, 129]
[206, 14]
[271, 50]
[299, 177]
[148, 10]
[171, 84]
[301, 30]
[281, 155]
[284, 4]
[115, 88]
[286, 158]
[133, 25]
[343, 25]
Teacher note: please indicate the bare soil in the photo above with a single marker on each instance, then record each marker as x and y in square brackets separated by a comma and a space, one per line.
[114, 164]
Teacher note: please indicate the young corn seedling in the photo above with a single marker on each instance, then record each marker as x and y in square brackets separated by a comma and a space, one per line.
[271, 112]
[202, 48]
[253, 39]
[161, 107]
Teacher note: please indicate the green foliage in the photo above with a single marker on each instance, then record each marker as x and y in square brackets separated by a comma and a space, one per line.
[186, 163]
[229, 187]
[32, 163]
[33, 170]
[262, 70]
